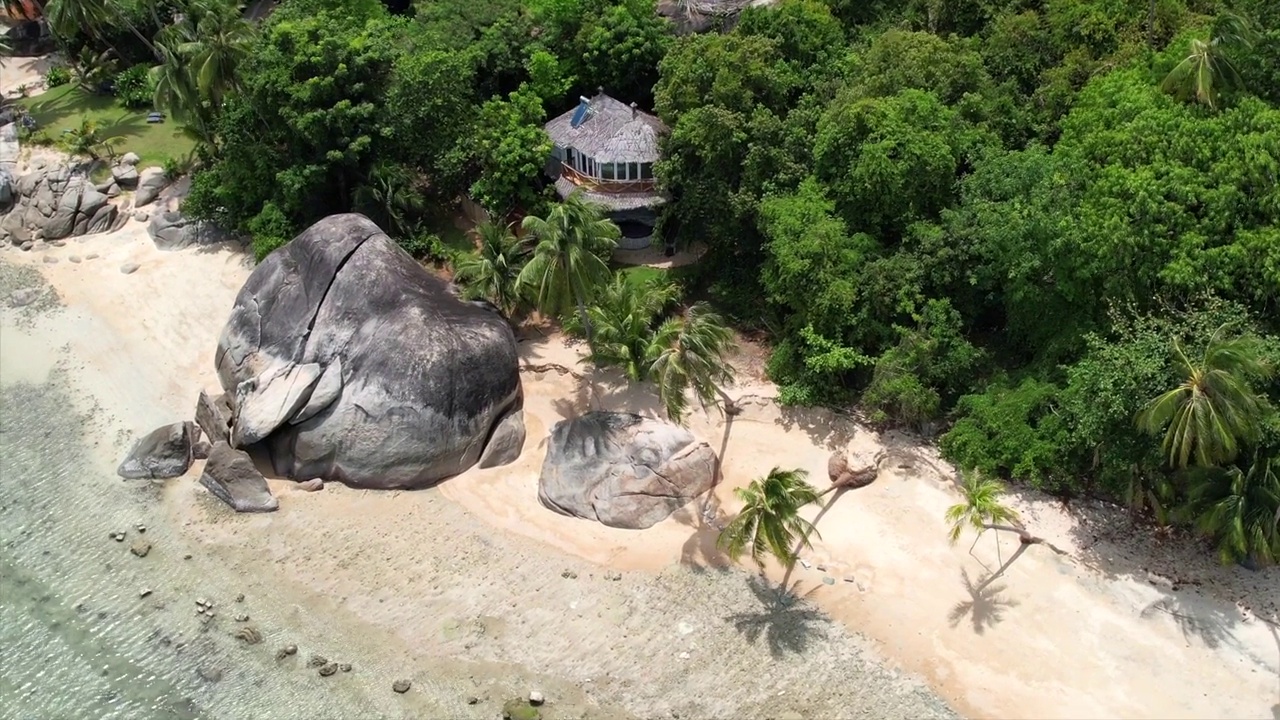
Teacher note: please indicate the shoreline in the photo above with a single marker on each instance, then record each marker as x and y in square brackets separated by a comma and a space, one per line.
[1091, 636]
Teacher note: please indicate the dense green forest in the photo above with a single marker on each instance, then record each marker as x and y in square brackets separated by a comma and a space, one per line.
[1047, 230]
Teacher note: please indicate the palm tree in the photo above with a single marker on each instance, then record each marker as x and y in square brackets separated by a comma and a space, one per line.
[688, 352]
[67, 17]
[982, 510]
[494, 272]
[566, 268]
[770, 520]
[87, 139]
[1208, 67]
[623, 318]
[1239, 509]
[1214, 409]
[216, 45]
[389, 196]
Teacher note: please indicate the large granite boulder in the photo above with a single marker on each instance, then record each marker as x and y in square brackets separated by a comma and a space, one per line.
[53, 202]
[350, 362]
[232, 478]
[150, 182]
[623, 470]
[171, 230]
[165, 452]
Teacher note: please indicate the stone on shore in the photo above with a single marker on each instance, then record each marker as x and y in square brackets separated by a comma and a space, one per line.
[352, 363]
[623, 470]
[165, 452]
[231, 476]
[213, 415]
[150, 182]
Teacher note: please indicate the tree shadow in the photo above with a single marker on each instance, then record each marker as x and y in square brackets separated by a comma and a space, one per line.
[830, 428]
[1210, 624]
[985, 607]
[787, 627]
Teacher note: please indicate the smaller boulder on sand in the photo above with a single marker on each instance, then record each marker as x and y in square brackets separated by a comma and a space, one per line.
[231, 476]
[162, 453]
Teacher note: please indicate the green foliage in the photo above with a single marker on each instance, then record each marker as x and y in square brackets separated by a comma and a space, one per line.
[269, 229]
[623, 318]
[510, 148]
[56, 76]
[981, 507]
[621, 48]
[688, 353]
[1237, 507]
[493, 272]
[1012, 429]
[133, 87]
[566, 269]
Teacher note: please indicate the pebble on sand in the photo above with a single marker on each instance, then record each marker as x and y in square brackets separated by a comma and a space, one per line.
[401, 686]
[75, 259]
[129, 268]
[145, 592]
[536, 698]
[50, 259]
[140, 548]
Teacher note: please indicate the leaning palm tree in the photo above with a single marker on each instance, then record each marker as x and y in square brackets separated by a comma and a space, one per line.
[623, 318]
[689, 352]
[1238, 509]
[216, 46]
[493, 273]
[770, 522]
[1215, 408]
[1208, 68]
[982, 509]
[566, 269]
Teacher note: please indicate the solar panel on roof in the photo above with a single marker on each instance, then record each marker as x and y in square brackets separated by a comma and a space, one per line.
[580, 114]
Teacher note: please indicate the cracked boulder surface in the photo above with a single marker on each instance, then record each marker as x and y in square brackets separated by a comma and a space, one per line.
[348, 361]
[623, 470]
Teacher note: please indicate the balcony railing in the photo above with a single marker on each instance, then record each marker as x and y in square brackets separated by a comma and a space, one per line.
[606, 186]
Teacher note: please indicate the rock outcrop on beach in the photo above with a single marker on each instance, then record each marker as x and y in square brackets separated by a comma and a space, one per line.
[150, 182]
[350, 362]
[54, 202]
[165, 452]
[171, 230]
[231, 476]
[623, 470]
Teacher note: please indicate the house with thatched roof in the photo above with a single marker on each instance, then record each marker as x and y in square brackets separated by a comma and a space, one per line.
[606, 149]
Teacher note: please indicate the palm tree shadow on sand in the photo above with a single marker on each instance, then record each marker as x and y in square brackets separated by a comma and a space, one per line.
[985, 607]
[788, 626]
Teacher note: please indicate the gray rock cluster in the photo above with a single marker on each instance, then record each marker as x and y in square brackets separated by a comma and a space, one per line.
[623, 470]
[54, 202]
[165, 452]
[171, 230]
[349, 362]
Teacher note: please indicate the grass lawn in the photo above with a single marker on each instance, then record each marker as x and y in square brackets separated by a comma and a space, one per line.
[62, 108]
[639, 275]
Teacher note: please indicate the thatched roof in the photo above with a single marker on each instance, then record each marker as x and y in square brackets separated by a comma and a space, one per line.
[609, 131]
[613, 201]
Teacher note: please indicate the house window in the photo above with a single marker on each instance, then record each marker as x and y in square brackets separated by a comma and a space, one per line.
[646, 171]
[568, 156]
[608, 171]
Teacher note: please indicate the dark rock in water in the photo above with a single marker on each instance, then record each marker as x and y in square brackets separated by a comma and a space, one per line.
[140, 548]
[401, 686]
[328, 669]
[213, 415]
[316, 661]
[212, 674]
[352, 363]
[25, 296]
[624, 470]
[345, 667]
[231, 477]
[163, 453]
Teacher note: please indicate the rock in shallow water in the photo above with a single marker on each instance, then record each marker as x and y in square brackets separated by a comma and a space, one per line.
[355, 364]
[401, 686]
[231, 476]
[623, 470]
[162, 453]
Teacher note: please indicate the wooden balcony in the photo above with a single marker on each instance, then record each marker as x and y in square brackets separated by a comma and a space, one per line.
[620, 187]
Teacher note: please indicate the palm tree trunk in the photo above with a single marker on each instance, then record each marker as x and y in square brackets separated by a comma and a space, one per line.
[786, 578]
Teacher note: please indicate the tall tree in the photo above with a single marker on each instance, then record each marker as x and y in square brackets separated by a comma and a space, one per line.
[688, 352]
[623, 318]
[770, 522]
[567, 268]
[1210, 64]
[1215, 408]
[493, 273]
[1239, 509]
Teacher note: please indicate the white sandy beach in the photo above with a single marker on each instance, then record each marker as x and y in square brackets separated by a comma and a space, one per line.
[478, 570]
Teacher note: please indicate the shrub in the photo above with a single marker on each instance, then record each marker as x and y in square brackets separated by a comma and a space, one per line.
[56, 76]
[423, 246]
[133, 87]
[270, 229]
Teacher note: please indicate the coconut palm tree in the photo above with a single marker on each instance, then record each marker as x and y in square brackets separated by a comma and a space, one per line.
[1214, 409]
[566, 269]
[493, 273]
[67, 17]
[623, 318]
[215, 46]
[1238, 509]
[388, 196]
[688, 353]
[1208, 67]
[982, 510]
[770, 522]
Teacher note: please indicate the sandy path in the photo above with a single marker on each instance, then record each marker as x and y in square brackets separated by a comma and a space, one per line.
[1053, 638]
[18, 71]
